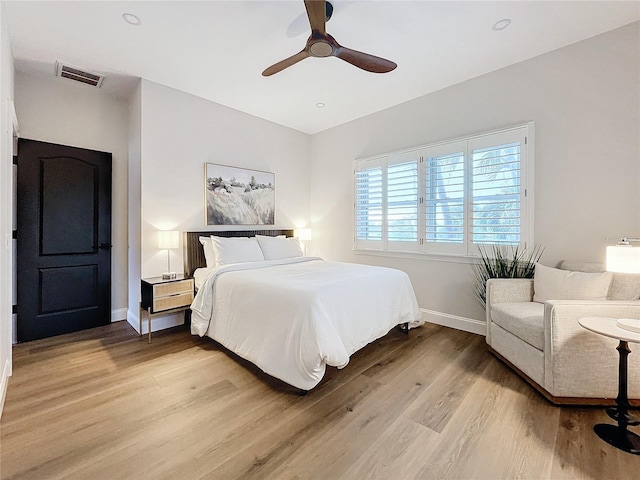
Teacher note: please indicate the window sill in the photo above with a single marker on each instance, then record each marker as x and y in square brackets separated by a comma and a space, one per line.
[435, 257]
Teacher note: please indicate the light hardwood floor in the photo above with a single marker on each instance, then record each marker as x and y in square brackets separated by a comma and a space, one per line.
[104, 404]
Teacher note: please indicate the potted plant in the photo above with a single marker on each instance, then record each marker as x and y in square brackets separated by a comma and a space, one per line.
[499, 261]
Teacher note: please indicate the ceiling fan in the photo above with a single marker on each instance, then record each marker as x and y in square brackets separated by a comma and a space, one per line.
[321, 44]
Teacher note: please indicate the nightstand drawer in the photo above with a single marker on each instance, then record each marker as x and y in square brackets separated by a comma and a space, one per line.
[173, 301]
[172, 288]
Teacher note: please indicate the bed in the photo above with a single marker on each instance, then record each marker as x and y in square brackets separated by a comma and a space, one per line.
[288, 314]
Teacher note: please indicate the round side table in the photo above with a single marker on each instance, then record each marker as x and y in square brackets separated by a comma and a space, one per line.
[617, 435]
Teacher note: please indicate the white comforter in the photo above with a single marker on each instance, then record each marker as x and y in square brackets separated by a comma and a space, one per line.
[293, 317]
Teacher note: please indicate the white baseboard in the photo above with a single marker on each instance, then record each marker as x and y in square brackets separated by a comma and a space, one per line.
[118, 314]
[159, 322]
[453, 321]
[133, 320]
[4, 383]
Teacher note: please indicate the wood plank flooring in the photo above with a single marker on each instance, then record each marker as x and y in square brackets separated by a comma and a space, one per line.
[104, 404]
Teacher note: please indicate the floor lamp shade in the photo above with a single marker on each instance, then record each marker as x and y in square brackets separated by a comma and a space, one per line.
[623, 259]
[168, 239]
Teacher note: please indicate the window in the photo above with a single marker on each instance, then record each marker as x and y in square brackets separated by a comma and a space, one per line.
[447, 198]
[387, 202]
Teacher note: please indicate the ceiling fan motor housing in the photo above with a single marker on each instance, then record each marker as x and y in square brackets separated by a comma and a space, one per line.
[321, 48]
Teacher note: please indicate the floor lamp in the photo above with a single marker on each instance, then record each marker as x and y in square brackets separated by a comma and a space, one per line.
[625, 258]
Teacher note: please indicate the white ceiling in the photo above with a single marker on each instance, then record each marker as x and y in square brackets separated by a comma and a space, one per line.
[218, 49]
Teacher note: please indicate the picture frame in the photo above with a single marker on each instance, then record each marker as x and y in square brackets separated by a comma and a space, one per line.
[238, 196]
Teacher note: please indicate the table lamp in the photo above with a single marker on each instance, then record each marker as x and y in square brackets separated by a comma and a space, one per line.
[625, 258]
[168, 239]
[304, 235]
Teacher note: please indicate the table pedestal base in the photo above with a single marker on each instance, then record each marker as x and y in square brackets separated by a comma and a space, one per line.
[618, 437]
[623, 416]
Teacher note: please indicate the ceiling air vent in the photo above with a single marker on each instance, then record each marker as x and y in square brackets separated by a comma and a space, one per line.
[79, 75]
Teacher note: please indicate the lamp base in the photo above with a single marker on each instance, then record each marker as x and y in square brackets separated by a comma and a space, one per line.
[630, 324]
[169, 275]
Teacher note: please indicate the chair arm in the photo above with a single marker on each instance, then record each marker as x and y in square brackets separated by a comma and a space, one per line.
[506, 290]
[509, 290]
[578, 361]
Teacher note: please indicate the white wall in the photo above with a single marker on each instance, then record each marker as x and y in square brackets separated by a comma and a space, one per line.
[135, 206]
[59, 111]
[6, 200]
[585, 101]
[182, 132]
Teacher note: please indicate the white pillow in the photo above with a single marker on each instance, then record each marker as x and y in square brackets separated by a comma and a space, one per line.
[277, 248]
[236, 250]
[209, 254]
[554, 284]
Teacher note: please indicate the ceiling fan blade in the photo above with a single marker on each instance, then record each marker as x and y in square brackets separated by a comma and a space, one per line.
[287, 62]
[317, 13]
[365, 61]
[300, 24]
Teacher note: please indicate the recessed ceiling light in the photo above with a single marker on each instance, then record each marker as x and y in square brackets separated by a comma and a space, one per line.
[501, 24]
[132, 19]
[320, 105]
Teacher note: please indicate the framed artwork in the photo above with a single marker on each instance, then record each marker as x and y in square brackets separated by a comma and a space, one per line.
[236, 196]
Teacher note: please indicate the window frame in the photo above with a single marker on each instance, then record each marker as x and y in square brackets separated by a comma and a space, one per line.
[524, 133]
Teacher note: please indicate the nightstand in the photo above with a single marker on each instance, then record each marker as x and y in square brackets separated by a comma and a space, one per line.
[162, 296]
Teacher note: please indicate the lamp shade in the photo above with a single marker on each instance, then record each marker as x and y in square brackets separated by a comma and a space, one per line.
[303, 234]
[168, 239]
[623, 259]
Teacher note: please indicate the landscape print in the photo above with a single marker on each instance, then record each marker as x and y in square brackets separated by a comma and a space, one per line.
[235, 196]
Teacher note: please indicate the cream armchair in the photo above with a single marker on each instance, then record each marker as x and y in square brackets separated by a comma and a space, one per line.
[545, 344]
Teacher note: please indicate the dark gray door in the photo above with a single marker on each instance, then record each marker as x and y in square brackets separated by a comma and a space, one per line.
[64, 239]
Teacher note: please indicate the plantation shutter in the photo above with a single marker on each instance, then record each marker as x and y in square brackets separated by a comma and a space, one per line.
[402, 201]
[445, 198]
[369, 204]
[497, 196]
[448, 198]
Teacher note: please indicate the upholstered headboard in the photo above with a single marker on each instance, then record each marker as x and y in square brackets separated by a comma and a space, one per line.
[194, 253]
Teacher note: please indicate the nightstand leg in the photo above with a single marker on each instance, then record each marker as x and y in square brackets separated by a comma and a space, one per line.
[149, 322]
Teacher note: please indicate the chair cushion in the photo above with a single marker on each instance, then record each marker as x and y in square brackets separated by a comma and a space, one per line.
[555, 284]
[624, 286]
[525, 320]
